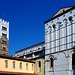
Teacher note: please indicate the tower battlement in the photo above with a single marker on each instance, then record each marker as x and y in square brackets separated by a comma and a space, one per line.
[4, 22]
[4, 36]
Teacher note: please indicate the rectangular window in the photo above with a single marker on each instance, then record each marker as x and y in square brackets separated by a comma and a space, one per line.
[32, 66]
[20, 65]
[39, 64]
[51, 59]
[3, 42]
[27, 66]
[4, 35]
[4, 28]
[6, 64]
[73, 61]
[4, 49]
[13, 64]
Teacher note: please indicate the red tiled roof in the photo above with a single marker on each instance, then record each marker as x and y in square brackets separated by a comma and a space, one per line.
[16, 58]
[16, 73]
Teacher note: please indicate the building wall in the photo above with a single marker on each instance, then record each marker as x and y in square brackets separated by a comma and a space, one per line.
[4, 41]
[32, 51]
[59, 38]
[39, 70]
[62, 36]
[17, 66]
[62, 63]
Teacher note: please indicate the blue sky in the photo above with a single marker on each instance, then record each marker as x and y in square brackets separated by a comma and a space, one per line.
[26, 19]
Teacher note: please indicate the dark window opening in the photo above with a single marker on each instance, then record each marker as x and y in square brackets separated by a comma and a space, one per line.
[39, 64]
[4, 35]
[20, 65]
[4, 48]
[54, 26]
[73, 61]
[70, 18]
[32, 66]
[4, 28]
[6, 64]
[51, 62]
[13, 64]
[27, 66]
[3, 42]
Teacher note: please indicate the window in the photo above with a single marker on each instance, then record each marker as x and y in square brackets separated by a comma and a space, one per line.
[70, 18]
[32, 66]
[53, 25]
[20, 65]
[6, 64]
[13, 64]
[27, 66]
[3, 42]
[39, 64]
[73, 61]
[4, 35]
[4, 49]
[51, 62]
[4, 28]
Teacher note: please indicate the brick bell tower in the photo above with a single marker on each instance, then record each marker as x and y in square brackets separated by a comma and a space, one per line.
[4, 37]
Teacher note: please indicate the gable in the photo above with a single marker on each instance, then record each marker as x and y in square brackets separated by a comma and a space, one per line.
[61, 11]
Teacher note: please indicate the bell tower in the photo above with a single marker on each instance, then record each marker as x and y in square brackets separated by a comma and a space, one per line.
[4, 37]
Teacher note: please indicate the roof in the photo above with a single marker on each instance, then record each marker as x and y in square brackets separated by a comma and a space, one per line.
[15, 58]
[30, 47]
[61, 12]
[16, 73]
[38, 57]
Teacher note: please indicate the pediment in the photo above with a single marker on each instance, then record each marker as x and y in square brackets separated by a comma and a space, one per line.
[61, 11]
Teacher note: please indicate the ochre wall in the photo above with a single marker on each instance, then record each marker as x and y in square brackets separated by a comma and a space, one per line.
[37, 69]
[17, 66]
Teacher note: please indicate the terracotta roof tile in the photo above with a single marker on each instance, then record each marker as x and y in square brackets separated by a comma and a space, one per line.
[16, 58]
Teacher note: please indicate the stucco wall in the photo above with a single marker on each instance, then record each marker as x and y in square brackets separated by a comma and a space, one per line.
[17, 66]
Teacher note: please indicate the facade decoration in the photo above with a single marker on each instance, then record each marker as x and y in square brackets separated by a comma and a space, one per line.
[59, 40]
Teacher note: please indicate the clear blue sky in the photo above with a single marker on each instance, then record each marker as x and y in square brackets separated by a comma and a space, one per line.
[26, 19]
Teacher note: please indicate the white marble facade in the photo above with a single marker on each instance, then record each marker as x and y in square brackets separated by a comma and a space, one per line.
[34, 51]
[59, 39]
[4, 24]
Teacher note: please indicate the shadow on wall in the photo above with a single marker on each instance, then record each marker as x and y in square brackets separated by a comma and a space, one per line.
[73, 72]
